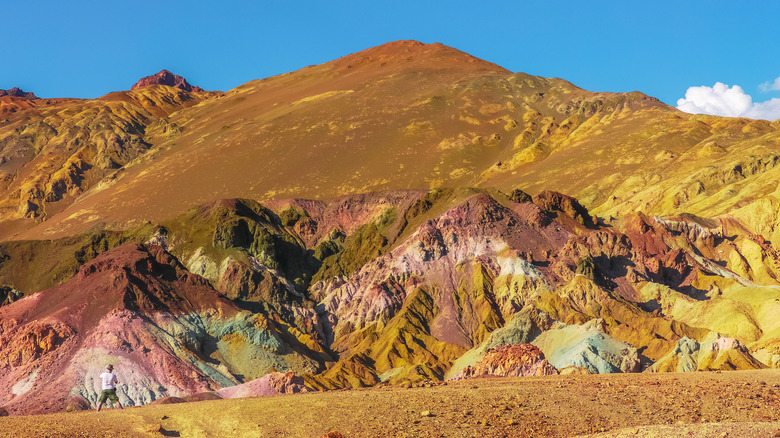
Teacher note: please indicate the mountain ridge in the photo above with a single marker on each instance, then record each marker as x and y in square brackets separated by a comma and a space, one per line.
[165, 77]
[390, 217]
[17, 92]
[434, 130]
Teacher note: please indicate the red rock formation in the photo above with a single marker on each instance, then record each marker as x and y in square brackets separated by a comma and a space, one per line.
[165, 77]
[556, 202]
[512, 361]
[16, 92]
[44, 337]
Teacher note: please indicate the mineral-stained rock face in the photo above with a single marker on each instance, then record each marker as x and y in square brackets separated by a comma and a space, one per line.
[588, 346]
[164, 77]
[162, 327]
[511, 360]
[394, 287]
[718, 354]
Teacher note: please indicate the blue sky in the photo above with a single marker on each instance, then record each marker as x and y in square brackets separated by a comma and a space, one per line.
[662, 48]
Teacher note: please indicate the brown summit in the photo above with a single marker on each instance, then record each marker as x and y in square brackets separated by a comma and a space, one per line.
[165, 77]
[17, 92]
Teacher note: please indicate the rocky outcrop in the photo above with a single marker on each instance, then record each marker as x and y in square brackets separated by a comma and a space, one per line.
[8, 295]
[167, 332]
[588, 346]
[164, 77]
[557, 202]
[576, 348]
[16, 92]
[520, 360]
[713, 354]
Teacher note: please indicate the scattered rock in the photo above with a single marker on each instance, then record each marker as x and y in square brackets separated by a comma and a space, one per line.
[332, 434]
[154, 428]
[426, 414]
[3, 412]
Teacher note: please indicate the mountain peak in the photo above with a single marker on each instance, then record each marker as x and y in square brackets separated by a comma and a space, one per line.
[16, 92]
[410, 52]
[165, 77]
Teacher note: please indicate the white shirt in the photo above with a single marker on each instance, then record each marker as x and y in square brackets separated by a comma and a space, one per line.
[109, 379]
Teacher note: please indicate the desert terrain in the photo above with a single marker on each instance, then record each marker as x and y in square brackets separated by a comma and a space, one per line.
[414, 241]
[704, 404]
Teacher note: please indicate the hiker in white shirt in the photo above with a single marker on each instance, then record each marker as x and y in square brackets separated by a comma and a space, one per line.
[109, 388]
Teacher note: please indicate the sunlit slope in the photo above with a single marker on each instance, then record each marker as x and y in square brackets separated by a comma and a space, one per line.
[661, 162]
[411, 115]
[53, 151]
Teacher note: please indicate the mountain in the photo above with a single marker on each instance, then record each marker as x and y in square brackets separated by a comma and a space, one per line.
[164, 77]
[16, 92]
[408, 115]
[396, 215]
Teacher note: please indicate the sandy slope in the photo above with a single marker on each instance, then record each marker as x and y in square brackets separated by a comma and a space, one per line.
[692, 404]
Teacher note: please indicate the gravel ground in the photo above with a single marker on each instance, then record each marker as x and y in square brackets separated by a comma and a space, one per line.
[706, 404]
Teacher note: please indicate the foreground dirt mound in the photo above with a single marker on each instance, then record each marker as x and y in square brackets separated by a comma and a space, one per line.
[270, 384]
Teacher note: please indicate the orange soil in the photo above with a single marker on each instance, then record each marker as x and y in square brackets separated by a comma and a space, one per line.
[739, 403]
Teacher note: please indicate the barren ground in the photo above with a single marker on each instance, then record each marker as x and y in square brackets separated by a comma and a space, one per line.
[706, 404]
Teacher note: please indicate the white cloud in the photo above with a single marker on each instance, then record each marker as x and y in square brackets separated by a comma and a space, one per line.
[722, 100]
[770, 86]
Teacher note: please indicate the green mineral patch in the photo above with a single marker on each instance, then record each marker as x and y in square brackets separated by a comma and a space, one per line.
[34, 265]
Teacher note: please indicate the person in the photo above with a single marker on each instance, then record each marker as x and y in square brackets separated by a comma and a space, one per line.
[109, 381]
